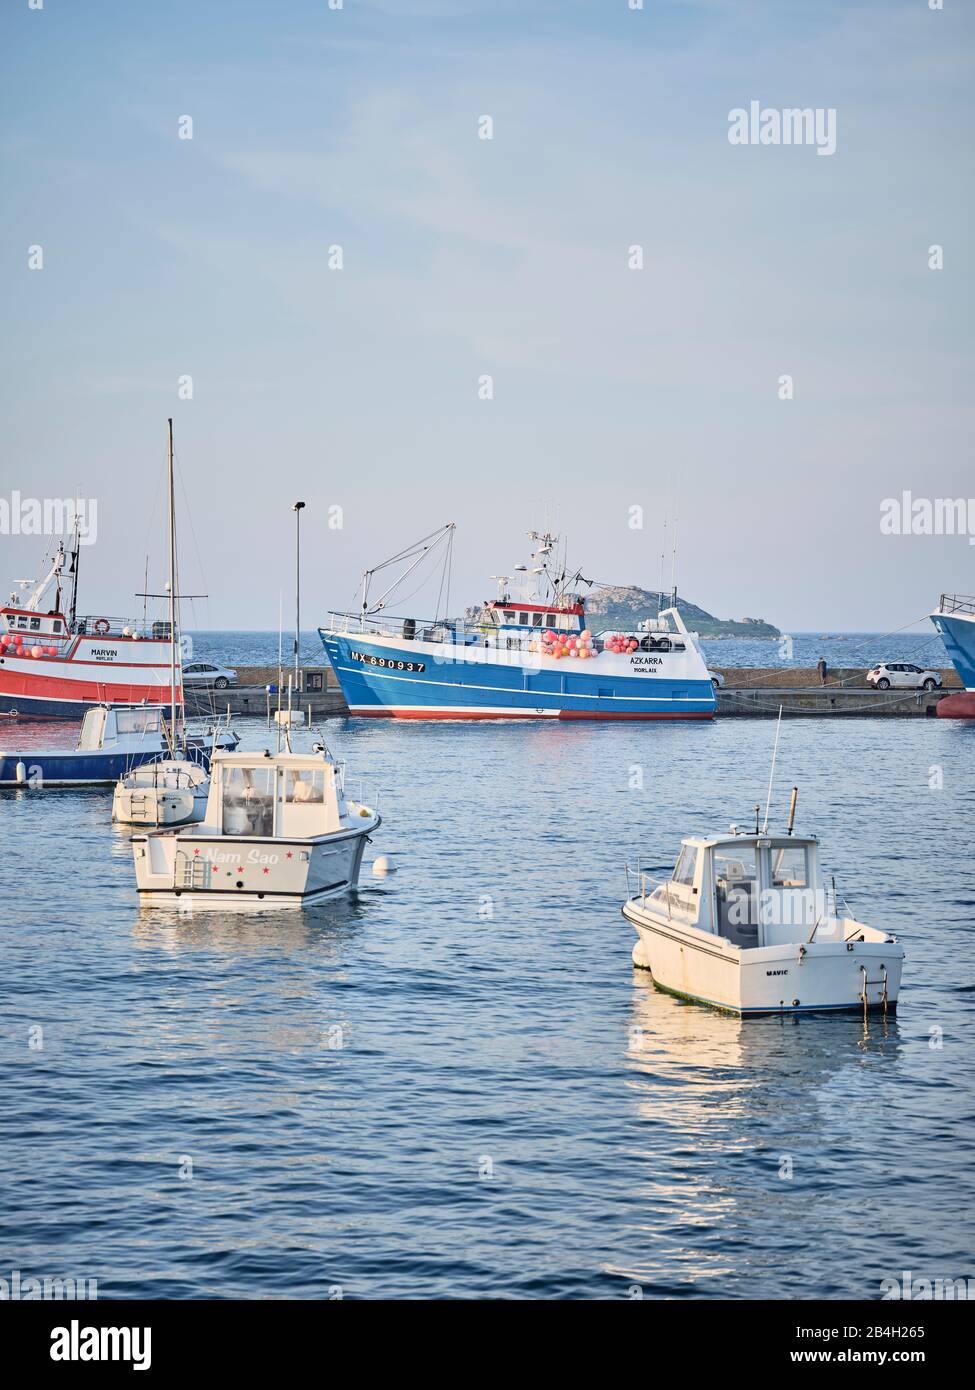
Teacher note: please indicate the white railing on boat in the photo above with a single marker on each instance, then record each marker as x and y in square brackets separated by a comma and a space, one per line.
[956, 603]
[105, 625]
[458, 633]
[96, 626]
[423, 629]
[345, 791]
[665, 884]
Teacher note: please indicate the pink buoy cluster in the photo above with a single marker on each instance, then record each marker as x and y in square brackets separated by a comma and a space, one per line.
[12, 644]
[620, 644]
[560, 644]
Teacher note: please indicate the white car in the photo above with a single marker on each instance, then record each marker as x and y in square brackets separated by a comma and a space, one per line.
[717, 679]
[903, 676]
[202, 673]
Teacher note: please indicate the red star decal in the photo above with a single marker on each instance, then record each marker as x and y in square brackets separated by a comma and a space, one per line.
[240, 870]
[196, 851]
[267, 871]
[290, 855]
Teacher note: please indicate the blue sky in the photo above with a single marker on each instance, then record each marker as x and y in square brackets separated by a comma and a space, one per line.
[358, 127]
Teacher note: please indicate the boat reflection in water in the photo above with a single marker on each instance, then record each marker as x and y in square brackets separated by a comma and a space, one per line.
[275, 995]
[753, 1143]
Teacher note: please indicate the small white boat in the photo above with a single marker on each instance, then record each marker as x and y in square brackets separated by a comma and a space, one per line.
[169, 791]
[743, 924]
[278, 832]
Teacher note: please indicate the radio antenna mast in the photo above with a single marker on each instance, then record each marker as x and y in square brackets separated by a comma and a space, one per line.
[775, 749]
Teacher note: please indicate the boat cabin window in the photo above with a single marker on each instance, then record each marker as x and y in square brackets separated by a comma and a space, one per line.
[302, 788]
[789, 867]
[35, 624]
[92, 728]
[309, 806]
[686, 866]
[523, 619]
[792, 906]
[57, 625]
[736, 894]
[537, 619]
[137, 721]
[510, 617]
[248, 801]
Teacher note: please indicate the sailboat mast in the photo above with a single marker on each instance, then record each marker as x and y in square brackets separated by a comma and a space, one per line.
[297, 509]
[172, 595]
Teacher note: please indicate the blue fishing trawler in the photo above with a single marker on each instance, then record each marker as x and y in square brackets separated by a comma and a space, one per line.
[955, 620]
[530, 656]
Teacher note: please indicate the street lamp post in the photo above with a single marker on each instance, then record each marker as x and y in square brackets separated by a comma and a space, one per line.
[297, 511]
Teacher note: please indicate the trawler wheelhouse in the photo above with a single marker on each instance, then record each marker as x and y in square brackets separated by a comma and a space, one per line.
[526, 618]
[20, 620]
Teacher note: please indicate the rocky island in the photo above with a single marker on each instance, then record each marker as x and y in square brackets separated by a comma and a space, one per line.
[624, 605]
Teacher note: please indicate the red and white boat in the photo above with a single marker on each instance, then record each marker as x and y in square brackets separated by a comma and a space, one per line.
[57, 665]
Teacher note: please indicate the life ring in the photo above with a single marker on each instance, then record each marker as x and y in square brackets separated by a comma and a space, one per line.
[101, 626]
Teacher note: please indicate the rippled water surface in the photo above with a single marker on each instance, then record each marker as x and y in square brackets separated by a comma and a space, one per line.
[514, 1111]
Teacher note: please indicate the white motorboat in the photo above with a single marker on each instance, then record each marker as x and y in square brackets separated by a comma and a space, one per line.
[744, 924]
[278, 832]
[169, 791]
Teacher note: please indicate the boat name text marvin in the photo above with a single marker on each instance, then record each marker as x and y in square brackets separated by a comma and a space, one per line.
[104, 653]
[388, 661]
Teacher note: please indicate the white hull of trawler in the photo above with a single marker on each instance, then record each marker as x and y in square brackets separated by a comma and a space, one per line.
[859, 967]
[192, 870]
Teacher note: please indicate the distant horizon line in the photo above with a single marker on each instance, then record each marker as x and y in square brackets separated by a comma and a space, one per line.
[786, 632]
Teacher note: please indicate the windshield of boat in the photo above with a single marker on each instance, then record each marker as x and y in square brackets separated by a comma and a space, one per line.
[788, 866]
[304, 787]
[137, 721]
[248, 801]
[686, 866]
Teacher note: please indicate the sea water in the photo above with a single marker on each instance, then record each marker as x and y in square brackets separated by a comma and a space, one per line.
[454, 1083]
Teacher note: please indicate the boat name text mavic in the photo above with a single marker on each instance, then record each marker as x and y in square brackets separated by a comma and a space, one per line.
[253, 856]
